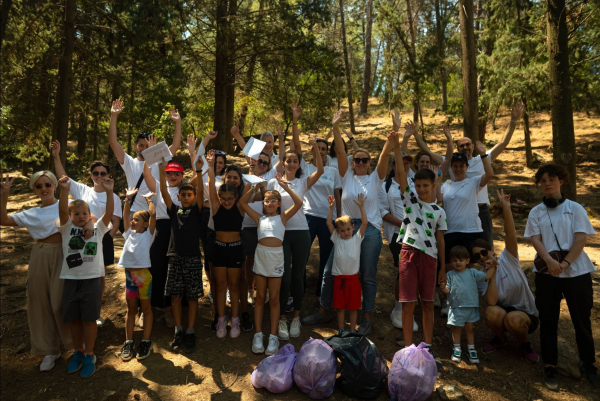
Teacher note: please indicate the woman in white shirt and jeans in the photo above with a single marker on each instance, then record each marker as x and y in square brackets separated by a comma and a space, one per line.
[558, 229]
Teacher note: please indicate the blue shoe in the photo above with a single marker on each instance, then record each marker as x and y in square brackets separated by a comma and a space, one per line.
[75, 362]
[89, 366]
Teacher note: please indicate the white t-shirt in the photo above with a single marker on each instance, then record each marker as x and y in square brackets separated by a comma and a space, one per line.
[421, 221]
[133, 169]
[83, 259]
[567, 219]
[476, 169]
[298, 185]
[39, 221]
[159, 203]
[346, 256]
[460, 204]
[369, 185]
[257, 206]
[333, 161]
[96, 200]
[391, 202]
[136, 251]
[315, 200]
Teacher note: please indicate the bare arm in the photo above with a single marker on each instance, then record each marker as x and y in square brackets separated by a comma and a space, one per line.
[174, 115]
[288, 214]
[212, 189]
[363, 214]
[351, 141]
[445, 165]
[152, 211]
[115, 220]
[330, 225]
[164, 191]
[510, 233]
[339, 144]
[235, 132]
[63, 201]
[389, 218]
[554, 268]
[491, 295]
[515, 116]
[127, 207]
[491, 272]
[108, 185]
[382, 163]
[487, 165]
[5, 219]
[116, 109]
[149, 178]
[576, 249]
[435, 158]
[249, 211]
[318, 163]
[58, 167]
[400, 173]
[281, 144]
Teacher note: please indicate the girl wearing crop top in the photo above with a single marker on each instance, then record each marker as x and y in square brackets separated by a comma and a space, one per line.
[268, 262]
[228, 256]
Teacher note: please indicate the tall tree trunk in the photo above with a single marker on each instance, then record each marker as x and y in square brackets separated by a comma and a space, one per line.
[374, 88]
[469, 70]
[347, 64]
[387, 58]
[220, 110]
[81, 134]
[132, 106]
[441, 50]
[563, 131]
[366, 89]
[413, 61]
[60, 126]
[96, 116]
[230, 103]
[527, 133]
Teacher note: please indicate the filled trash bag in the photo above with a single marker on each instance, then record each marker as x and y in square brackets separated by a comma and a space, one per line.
[413, 374]
[363, 368]
[275, 372]
[315, 369]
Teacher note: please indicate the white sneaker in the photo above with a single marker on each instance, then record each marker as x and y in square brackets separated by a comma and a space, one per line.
[283, 332]
[273, 346]
[436, 301]
[250, 298]
[295, 327]
[257, 343]
[48, 362]
[100, 321]
[396, 318]
[445, 309]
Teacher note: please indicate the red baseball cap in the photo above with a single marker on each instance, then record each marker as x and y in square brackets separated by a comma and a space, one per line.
[174, 167]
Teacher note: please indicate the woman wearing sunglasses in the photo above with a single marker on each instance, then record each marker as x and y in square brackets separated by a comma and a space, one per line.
[44, 287]
[96, 199]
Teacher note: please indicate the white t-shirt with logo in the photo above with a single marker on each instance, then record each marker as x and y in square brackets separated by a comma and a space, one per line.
[136, 251]
[83, 259]
[159, 203]
[315, 200]
[460, 204]
[567, 219]
[133, 169]
[346, 256]
[96, 200]
[476, 169]
[300, 187]
[39, 221]
[369, 185]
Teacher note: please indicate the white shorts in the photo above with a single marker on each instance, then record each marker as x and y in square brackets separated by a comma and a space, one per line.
[268, 261]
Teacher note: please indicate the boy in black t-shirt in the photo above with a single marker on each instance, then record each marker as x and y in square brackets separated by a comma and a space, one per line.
[184, 276]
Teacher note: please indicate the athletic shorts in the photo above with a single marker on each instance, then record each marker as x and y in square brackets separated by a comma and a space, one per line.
[138, 283]
[184, 277]
[228, 254]
[346, 292]
[268, 261]
[81, 300]
[459, 316]
[535, 321]
[418, 275]
[250, 240]
[108, 250]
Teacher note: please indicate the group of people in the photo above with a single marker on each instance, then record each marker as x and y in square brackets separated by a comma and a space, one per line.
[254, 241]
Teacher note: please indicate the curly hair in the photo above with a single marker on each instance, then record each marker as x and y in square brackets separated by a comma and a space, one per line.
[553, 171]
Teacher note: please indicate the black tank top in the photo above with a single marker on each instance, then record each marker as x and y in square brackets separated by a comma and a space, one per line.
[228, 220]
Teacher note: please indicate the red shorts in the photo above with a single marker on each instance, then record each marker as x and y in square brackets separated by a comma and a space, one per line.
[418, 271]
[346, 292]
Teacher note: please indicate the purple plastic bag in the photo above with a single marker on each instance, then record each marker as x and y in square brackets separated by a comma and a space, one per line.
[412, 375]
[275, 372]
[315, 369]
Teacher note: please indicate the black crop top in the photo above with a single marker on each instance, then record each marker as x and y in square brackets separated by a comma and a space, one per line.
[228, 220]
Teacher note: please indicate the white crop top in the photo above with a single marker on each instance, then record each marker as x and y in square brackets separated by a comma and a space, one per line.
[271, 227]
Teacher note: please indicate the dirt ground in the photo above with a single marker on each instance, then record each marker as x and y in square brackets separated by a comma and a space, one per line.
[221, 369]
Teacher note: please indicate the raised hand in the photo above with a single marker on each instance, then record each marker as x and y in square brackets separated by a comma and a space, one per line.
[312, 140]
[108, 184]
[55, 147]
[331, 201]
[282, 181]
[235, 130]
[64, 182]
[174, 115]
[199, 163]
[517, 111]
[117, 107]
[436, 170]
[337, 117]
[6, 184]
[360, 201]
[480, 148]
[396, 120]
[410, 126]
[191, 144]
[212, 135]
[502, 198]
[130, 192]
[296, 110]
[447, 132]
[210, 158]
[151, 140]
[393, 138]
[280, 133]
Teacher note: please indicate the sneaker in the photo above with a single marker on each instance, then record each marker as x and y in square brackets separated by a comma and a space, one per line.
[438, 363]
[169, 319]
[295, 327]
[396, 318]
[221, 327]
[550, 379]
[283, 332]
[273, 346]
[445, 309]
[247, 324]
[48, 362]
[473, 358]
[529, 352]
[341, 331]
[100, 321]
[437, 303]
[140, 322]
[189, 343]
[234, 332]
[250, 298]
[456, 355]
[178, 340]
[143, 350]
[213, 325]
[127, 351]
[316, 318]
[290, 305]
[89, 366]
[257, 343]
[591, 372]
[365, 327]
[76, 362]
[493, 345]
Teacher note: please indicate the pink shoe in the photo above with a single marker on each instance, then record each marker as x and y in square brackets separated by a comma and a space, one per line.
[234, 332]
[529, 352]
[222, 327]
[493, 345]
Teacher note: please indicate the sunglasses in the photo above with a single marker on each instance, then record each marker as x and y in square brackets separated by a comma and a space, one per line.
[99, 173]
[175, 173]
[361, 160]
[40, 186]
[478, 255]
[219, 152]
[262, 162]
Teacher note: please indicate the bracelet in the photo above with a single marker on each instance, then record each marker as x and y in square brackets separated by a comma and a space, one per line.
[127, 200]
[565, 260]
[198, 171]
[483, 156]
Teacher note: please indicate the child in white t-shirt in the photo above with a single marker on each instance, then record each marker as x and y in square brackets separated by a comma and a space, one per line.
[346, 262]
[135, 258]
[82, 270]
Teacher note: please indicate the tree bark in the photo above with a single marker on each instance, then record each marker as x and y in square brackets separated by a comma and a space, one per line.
[220, 110]
[366, 89]
[230, 103]
[374, 76]
[441, 43]
[413, 60]
[347, 64]
[96, 116]
[561, 108]
[469, 71]
[60, 126]
[132, 106]
[527, 133]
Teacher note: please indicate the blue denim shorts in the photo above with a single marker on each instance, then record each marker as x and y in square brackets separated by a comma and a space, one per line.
[459, 316]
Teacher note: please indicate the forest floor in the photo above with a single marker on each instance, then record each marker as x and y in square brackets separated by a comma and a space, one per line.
[221, 369]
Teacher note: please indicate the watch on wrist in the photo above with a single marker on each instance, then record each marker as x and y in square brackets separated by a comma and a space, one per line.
[483, 156]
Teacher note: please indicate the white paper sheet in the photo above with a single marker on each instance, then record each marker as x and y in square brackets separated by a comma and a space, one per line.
[252, 179]
[154, 154]
[253, 148]
[205, 165]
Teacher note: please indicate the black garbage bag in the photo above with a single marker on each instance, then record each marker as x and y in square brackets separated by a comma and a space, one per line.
[363, 368]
